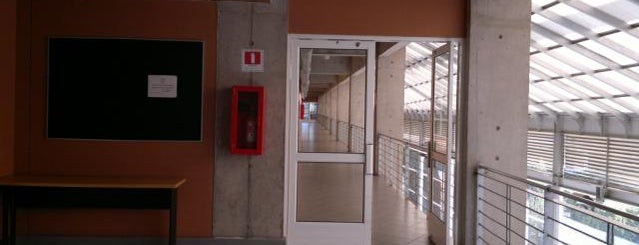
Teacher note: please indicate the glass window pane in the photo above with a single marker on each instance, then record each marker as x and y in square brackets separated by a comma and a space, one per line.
[330, 192]
[624, 236]
[441, 104]
[439, 191]
[594, 229]
[336, 80]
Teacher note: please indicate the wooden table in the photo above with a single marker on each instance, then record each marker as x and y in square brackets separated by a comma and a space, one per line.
[86, 192]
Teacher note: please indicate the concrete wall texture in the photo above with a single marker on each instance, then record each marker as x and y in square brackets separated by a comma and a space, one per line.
[497, 71]
[389, 102]
[249, 190]
[343, 100]
[358, 98]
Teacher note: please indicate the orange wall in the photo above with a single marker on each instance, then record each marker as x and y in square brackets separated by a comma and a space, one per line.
[7, 84]
[153, 19]
[412, 18]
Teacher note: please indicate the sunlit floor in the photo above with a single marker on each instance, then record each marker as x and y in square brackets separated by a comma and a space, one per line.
[316, 138]
[333, 192]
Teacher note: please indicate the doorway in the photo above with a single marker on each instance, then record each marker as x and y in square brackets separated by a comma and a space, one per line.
[330, 156]
[334, 152]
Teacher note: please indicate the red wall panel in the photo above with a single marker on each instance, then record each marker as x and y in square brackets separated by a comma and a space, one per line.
[7, 84]
[409, 18]
[152, 19]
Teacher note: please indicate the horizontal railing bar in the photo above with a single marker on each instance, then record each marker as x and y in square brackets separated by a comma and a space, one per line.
[522, 237]
[417, 147]
[561, 193]
[504, 183]
[557, 239]
[507, 185]
[510, 200]
[507, 228]
[507, 215]
[529, 208]
[493, 205]
[482, 239]
[596, 216]
[526, 223]
[483, 227]
[496, 221]
[575, 229]
[494, 192]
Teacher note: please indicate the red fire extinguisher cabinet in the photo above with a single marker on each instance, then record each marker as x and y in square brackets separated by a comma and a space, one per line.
[247, 120]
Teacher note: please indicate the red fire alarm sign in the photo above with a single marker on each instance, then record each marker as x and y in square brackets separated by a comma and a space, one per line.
[252, 60]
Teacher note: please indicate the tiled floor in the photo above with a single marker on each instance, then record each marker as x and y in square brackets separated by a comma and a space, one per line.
[315, 138]
[396, 221]
[332, 192]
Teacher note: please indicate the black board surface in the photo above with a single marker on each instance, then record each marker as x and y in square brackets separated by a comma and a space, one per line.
[98, 89]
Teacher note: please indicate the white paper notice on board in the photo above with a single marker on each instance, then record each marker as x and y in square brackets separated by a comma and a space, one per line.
[162, 86]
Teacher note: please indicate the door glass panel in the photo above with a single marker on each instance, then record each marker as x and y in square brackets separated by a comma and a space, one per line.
[439, 191]
[336, 80]
[416, 184]
[330, 192]
[440, 123]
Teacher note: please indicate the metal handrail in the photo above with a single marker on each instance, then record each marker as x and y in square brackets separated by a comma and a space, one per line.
[393, 164]
[414, 146]
[554, 190]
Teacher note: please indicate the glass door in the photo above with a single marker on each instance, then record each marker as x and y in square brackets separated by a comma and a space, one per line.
[439, 147]
[329, 165]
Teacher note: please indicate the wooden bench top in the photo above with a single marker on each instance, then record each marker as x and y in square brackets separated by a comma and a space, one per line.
[93, 182]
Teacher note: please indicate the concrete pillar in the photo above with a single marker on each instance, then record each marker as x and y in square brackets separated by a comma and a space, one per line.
[390, 94]
[249, 189]
[495, 98]
[343, 97]
[358, 97]
[343, 94]
[333, 115]
[320, 105]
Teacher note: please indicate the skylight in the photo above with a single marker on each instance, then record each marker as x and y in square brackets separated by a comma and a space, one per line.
[615, 106]
[584, 56]
[607, 52]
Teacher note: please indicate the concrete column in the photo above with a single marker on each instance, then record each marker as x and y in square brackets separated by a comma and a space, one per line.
[390, 94]
[249, 189]
[343, 94]
[334, 107]
[495, 98]
[343, 97]
[320, 105]
[358, 92]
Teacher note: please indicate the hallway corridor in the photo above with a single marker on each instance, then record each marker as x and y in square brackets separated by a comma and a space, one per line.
[333, 192]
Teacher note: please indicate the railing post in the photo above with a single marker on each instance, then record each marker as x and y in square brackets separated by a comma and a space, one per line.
[558, 157]
[549, 212]
[479, 204]
[508, 213]
[610, 234]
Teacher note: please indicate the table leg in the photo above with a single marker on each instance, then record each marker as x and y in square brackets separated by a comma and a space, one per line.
[12, 218]
[173, 218]
[5, 217]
